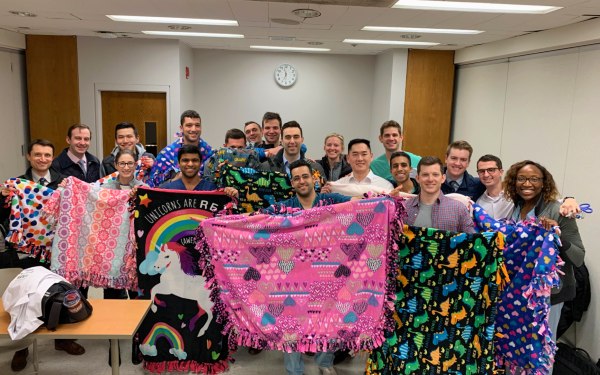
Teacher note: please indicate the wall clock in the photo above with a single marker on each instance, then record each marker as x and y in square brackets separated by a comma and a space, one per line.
[285, 75]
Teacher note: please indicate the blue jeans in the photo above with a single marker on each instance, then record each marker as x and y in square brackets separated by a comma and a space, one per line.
[294, 364]
[553, 319]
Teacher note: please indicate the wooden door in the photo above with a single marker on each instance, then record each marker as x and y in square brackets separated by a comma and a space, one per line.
[139, 108]
[428, 102]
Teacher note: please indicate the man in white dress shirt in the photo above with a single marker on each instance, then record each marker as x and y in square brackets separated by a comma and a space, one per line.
[360, 158]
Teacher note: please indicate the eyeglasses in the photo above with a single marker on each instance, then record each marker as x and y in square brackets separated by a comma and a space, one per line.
[124, 164]
[488, 170]
[533, 180]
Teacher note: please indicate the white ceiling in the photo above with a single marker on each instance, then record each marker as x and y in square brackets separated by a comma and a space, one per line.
[340, 19]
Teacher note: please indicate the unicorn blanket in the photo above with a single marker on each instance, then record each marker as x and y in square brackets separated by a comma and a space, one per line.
[30, 231]
[531, 258]
[315, 280]
[92, 244]
[180, 332]
[445, 305]
[257, 189]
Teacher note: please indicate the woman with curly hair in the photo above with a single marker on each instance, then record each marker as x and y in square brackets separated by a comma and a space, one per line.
[533, 191]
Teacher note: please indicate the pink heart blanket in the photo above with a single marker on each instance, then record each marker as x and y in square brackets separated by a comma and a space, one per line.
[316, 280]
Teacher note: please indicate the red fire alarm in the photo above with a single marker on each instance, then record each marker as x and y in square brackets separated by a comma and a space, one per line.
[187, 72]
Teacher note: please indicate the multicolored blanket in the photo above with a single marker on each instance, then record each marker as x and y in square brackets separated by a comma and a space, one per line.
[532, 260]
[246, 158]
[257, 189]
[92, 243]
[180, 333]
[31, 232]
[445, 305]
[166, 165]
[316, 280]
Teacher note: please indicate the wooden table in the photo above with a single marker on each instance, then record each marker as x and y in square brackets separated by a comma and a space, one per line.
[112, 319]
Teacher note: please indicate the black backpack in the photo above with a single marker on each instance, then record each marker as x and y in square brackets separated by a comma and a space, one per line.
[63, 303]
[573, 361]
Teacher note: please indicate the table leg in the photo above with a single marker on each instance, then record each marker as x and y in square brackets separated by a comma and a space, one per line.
[114, 354]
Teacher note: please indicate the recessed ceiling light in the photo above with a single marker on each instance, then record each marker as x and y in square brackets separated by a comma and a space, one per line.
[458, 6]
[420, 30]
[179, 27]
[22, 14]
[306, 13]
[173, 20]
[183, 33]
[301, 49]
[285, 21]
[394, 42]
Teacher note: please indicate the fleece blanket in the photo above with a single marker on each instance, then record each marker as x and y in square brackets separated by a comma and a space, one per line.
[92, 241]
[445, 305]
[246, 158]
[531, 257]
[257, 189]
[28, 230]
[314, 280]
[166, 164]
[180, 332]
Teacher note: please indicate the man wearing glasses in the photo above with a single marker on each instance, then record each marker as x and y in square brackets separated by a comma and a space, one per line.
[489, 170]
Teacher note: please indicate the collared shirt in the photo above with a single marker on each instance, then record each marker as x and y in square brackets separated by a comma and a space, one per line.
[446, 214]
[370, 179]
[286, 163]
[497, 207]
[458, 180]
[36, 177]
[74, 158]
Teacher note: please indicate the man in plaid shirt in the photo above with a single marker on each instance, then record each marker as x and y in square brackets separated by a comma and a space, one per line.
[431, 208]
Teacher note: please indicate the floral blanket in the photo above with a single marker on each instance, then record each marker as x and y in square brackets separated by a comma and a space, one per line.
[315, 280]
[92, 236]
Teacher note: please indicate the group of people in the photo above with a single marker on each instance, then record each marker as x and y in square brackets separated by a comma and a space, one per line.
[528, 191]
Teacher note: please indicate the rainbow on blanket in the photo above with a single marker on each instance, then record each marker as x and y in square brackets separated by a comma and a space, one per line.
[180, 332]
[315, 280]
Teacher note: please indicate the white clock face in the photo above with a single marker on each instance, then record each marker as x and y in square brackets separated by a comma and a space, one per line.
[285, 75]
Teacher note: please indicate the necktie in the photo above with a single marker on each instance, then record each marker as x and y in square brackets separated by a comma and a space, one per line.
[83, 166]
[454, 185]
[43, 181]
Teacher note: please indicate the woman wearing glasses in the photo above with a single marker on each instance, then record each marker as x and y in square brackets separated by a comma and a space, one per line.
[125, 164]
[532, 189]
